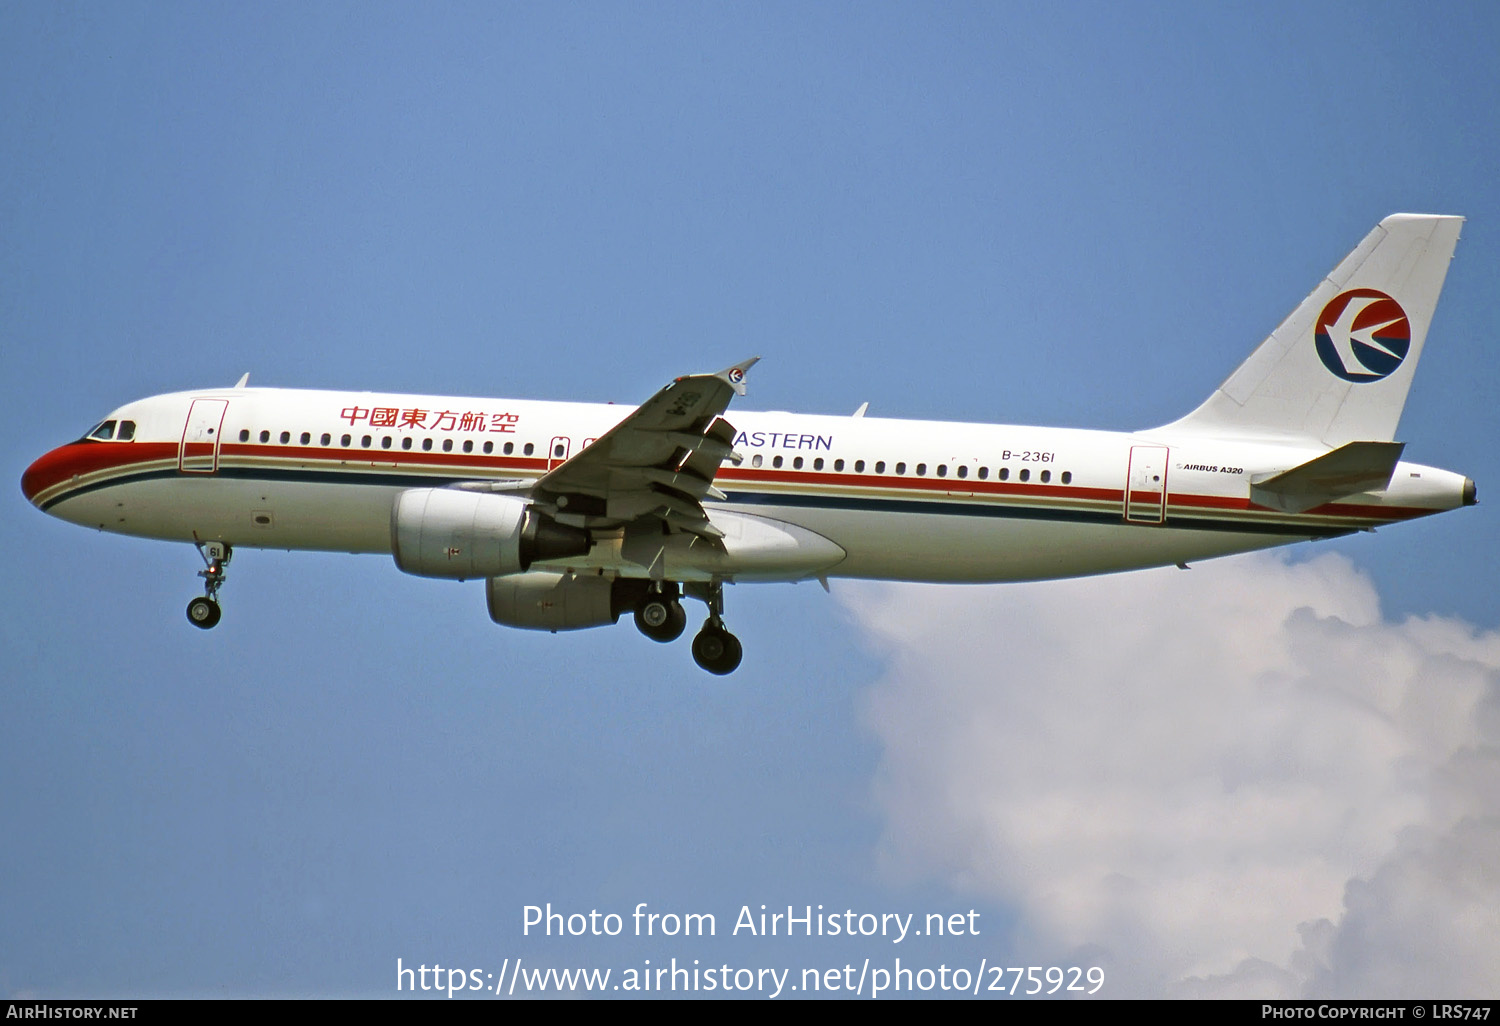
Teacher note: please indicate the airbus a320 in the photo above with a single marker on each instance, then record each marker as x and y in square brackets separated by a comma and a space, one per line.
[574, 515]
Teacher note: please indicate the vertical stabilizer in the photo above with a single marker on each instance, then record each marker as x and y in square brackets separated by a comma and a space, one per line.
[1339, 368]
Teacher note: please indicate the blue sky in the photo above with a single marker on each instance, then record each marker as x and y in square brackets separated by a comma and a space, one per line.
[1073, 214]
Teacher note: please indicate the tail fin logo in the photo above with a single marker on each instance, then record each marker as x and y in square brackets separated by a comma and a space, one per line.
[1362, 335]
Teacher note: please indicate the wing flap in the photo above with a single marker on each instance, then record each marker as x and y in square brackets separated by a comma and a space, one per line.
[704, 460]
[659, 461]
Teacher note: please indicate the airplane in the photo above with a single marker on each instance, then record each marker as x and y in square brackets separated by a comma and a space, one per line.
[575, 514]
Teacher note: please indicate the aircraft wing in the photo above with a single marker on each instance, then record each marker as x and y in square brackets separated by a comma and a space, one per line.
[659, 461]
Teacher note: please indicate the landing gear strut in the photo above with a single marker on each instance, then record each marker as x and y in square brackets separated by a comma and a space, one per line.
[661, 617]
[204, 612]
[714, 648]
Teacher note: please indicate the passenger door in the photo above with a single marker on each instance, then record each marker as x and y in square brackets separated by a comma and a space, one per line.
[198, 452]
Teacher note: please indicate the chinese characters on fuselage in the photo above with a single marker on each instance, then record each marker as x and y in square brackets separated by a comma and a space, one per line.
[431, 420]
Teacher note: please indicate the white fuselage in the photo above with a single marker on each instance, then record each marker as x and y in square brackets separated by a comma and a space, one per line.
[905, 500]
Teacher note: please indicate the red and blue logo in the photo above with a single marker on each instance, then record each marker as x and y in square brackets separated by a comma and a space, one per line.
[1362, 335]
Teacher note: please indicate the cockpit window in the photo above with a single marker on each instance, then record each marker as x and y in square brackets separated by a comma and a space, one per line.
[112, 431]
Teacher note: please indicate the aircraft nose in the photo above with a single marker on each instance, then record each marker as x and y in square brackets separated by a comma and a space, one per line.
[31, 481]
[46, 471]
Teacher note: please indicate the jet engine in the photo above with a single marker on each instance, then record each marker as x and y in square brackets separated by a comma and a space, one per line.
[449, 532]
[544, 600]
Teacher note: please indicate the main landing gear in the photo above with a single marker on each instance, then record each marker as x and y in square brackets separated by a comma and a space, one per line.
[204, 612]
[660, 617]
[714, 648]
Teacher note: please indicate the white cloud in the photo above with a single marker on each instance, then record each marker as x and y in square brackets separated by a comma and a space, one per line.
[1238, 780]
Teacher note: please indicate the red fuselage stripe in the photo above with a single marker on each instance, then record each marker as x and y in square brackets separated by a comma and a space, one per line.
[80, 459]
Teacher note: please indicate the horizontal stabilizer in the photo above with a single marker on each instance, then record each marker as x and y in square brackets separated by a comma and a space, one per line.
[1348, 470]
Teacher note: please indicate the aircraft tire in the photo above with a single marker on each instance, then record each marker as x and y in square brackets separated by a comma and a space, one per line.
[203, 613]
[717, 651]
[661, 621]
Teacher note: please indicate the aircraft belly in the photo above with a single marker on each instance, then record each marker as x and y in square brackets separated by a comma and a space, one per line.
[747, 548]
[256, 514]
[969, 549]
[771, 543]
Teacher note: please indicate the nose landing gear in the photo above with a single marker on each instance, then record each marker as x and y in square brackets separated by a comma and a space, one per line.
[204, 612]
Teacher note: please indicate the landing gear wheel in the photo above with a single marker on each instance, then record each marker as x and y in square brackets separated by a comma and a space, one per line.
[661, 619]
[716, 650]
[203, 612]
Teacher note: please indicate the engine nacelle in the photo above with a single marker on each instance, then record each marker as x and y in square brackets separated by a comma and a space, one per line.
[544, 600]
[449, 532]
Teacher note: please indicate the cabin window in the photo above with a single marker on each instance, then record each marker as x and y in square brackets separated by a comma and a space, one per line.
[365, 441]
[559, 450]
[326, 438]
[984, 473]
[1046, 476]
[859, 466]
[942, 470]
[818, 463]
[406, 442]
[468, 445]
[963, 471]
[489, 447]
[385, 441]
[757, 460]
[306, 438]
[1005, 473]
[286, 436]
[838, 464]
[345, 441]
[880, 466]
[528, 450]
[797, 463]
[426, 445]
[1067, 477]
[447, 445]
[901, 468]
[776, 462]
[265, 436]
[1025, 474]
[510, 447]
[244, 434]
[921, 470]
